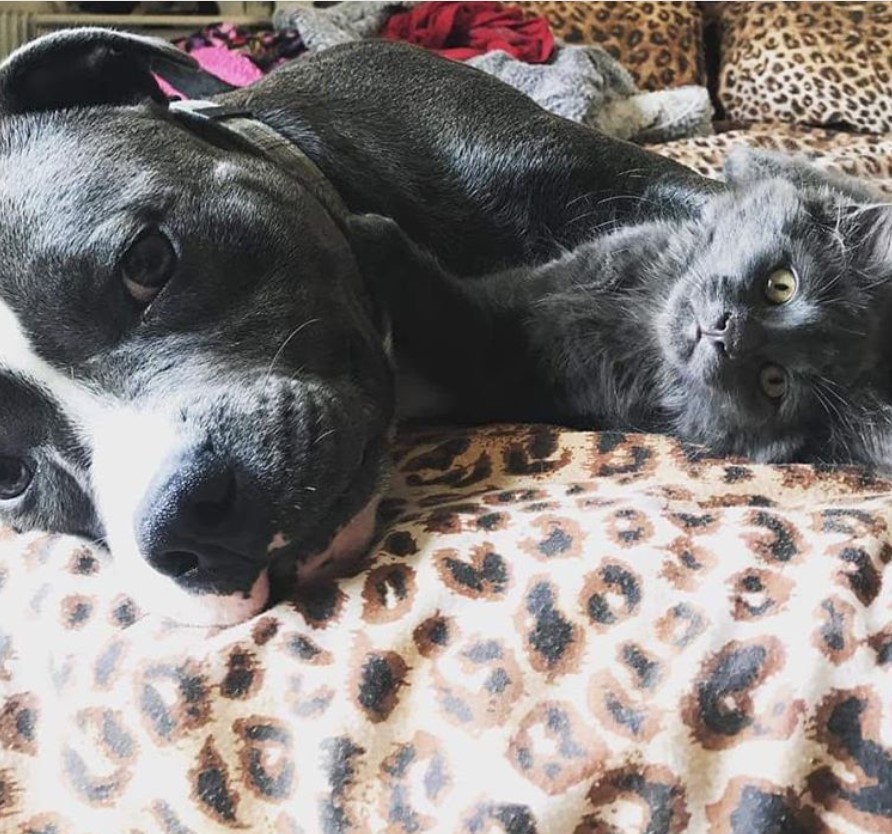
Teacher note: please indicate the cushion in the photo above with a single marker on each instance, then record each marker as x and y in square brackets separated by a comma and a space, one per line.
[659, 43]
[809, 63]
[560, 633]
[859, 155]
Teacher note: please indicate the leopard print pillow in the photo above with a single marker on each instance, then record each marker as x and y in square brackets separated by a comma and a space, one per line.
[809, 63]
[659, 43]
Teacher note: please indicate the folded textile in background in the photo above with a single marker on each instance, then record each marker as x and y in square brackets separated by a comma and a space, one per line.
[351, 21]
[587, 85]
[462, 30]
[581, 83]
[266, 49]
[235, 54]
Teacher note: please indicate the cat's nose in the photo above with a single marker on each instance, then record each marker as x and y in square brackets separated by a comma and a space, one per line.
[725, 334]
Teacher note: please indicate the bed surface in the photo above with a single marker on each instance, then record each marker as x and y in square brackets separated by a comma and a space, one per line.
[864, 155]
[558, 632]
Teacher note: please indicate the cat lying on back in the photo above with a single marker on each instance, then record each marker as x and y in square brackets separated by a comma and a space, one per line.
[755, 323]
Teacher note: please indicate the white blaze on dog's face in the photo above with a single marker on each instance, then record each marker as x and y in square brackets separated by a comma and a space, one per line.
[191, 367]
[129, 450]
[126, 448]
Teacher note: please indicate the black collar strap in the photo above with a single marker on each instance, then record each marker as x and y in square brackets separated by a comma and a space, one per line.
[260, 137]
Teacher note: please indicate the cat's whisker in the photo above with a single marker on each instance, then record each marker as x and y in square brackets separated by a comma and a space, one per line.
[876, 282]
[591, 194]
[825, 294]
[635, 198]
[830, 389]
[837, 233]
[607, 224]
[863, 209]
[579, 199]
[845, 429]
[839, 430]
[825, 403]
[858, 334]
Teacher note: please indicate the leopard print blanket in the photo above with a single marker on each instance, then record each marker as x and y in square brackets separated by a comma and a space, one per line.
[559, 632]
[860, 155]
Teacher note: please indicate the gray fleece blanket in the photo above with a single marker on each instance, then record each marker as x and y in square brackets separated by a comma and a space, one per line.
[581, 83]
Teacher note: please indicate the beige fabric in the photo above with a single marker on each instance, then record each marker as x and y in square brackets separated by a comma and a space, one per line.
[563, 633]
[860, 155]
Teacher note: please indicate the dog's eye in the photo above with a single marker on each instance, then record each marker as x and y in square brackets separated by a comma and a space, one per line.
[15, 476]
[773, 382]
[148, 265]
[781, 286]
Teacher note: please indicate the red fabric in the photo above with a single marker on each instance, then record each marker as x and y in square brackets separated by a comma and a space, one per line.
[463, 30]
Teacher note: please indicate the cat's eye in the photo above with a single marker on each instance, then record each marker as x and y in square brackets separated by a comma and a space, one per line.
[773, 382]
[148, 265]
[15, 476]
[781, 286]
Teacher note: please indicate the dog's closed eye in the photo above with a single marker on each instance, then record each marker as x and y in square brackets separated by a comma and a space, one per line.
[148, 265]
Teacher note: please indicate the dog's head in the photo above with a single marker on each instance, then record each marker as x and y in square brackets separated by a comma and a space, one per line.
[190, 366]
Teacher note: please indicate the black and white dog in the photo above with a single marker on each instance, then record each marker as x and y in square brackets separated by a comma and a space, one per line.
[192, 369]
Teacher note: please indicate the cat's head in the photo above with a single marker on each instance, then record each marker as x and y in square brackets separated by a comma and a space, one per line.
[777, 339]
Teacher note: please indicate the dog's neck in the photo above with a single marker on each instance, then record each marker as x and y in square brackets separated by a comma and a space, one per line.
[257, 136]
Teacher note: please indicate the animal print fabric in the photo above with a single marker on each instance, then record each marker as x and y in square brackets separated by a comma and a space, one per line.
[659, 43]
[859, 155]
[559, 633]
[824, 63]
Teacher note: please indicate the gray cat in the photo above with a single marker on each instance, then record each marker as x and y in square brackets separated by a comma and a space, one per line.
[754, 323]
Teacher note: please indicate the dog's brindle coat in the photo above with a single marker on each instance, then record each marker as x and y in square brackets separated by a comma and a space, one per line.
[191, 367]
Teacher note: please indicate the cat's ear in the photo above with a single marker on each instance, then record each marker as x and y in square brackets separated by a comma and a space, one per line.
[85, 67]
[870, 227]
[745, 166]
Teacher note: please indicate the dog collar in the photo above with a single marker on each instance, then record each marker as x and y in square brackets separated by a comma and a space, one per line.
[259, 136]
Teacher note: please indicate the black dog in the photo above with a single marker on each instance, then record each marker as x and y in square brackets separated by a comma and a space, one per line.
[191, 367]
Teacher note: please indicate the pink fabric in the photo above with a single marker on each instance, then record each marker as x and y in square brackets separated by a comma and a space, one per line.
[231, 67]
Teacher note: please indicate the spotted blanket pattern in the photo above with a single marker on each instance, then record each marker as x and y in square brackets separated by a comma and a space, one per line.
[659, 43]
[824, 63]
[857, 154]
[558, 632]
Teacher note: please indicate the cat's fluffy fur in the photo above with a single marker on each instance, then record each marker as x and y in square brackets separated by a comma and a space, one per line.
[610, 334]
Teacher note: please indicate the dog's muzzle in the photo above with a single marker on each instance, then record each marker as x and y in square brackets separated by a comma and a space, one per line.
[203, 525]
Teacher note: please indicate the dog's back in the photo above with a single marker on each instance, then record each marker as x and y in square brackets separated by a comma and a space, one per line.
[468, 166]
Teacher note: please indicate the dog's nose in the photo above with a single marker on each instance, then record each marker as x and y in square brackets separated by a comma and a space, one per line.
[194, 516]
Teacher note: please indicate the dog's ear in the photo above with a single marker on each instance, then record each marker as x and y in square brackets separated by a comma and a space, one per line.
[85, 67]
[745, 166]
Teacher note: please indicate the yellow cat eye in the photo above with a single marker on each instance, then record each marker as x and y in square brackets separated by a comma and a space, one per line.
[773, 381]
[781, 286]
